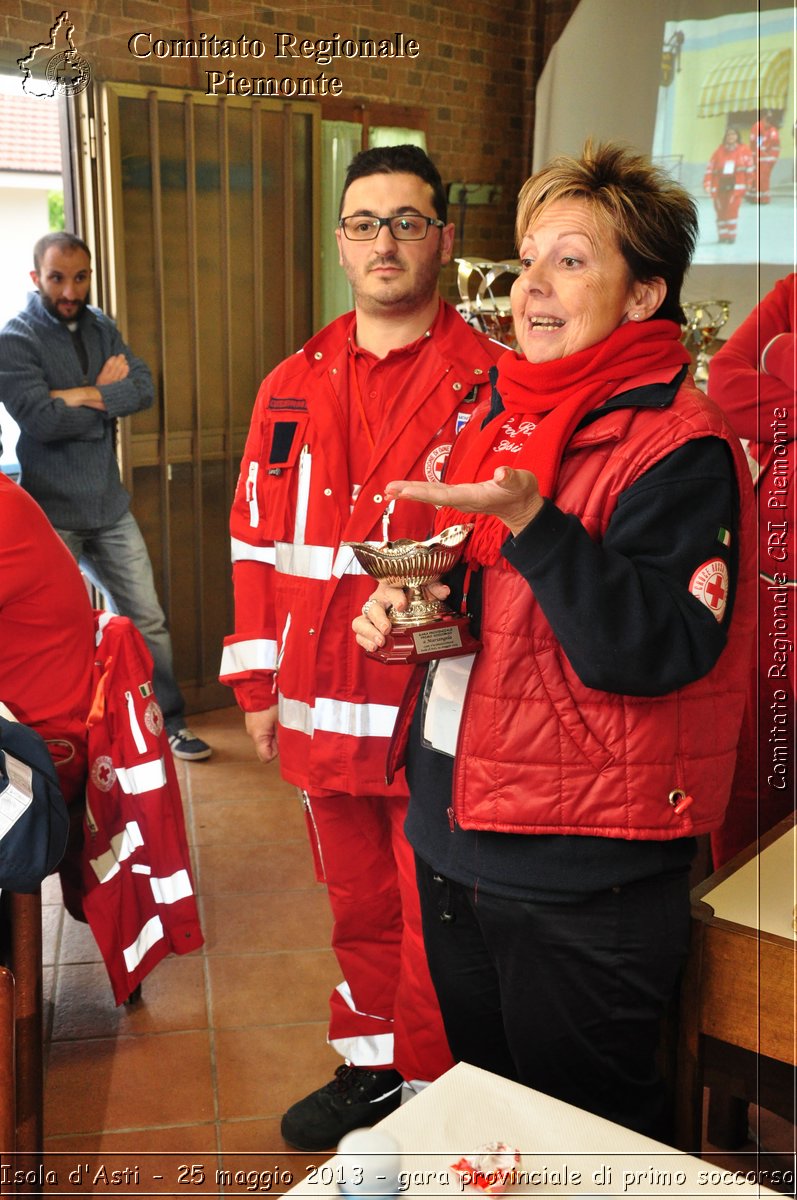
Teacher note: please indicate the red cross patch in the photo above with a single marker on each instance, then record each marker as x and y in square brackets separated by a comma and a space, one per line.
[709, 585]
[435, 463]
[102, 773]
[153, 718]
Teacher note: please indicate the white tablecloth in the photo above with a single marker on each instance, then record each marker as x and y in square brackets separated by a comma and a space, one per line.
[761, 894]
[564, 1151]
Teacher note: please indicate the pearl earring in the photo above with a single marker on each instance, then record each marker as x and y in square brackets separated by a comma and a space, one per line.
[634, 316]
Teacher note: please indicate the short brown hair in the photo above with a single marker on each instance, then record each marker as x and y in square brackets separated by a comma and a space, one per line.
[652, 216]
[64, 241]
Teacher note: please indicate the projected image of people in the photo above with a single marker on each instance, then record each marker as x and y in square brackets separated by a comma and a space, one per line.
[727, 179]
[726, 84]
[765, 145]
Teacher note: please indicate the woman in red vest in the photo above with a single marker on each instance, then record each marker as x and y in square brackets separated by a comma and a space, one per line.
[559, 777]
[727, 178]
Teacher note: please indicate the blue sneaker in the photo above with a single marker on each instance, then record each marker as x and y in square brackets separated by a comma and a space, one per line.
[187, 745]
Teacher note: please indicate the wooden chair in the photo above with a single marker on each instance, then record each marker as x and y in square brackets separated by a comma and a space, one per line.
[21, 1032]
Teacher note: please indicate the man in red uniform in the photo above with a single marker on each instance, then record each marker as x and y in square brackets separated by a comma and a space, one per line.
[726, 180]
[765, 147]
[380, 392]
[753, 379]
[47, 636]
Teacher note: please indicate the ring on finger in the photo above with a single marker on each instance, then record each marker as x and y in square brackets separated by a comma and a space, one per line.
[367, 606]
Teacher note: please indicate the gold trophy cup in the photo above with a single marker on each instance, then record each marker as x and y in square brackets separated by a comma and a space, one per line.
[704, 320]
[427, 628]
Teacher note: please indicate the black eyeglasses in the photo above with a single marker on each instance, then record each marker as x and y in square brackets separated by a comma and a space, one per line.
[409, 227]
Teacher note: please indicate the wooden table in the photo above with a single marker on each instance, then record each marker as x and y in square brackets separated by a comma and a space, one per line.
[738, 1016]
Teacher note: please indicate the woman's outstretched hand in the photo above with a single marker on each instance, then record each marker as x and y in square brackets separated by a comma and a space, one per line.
[511, 495]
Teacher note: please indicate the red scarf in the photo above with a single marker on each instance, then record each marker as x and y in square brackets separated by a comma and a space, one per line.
[543, 404]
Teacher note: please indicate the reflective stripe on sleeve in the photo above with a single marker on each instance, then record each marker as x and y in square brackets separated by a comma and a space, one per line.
[151, 933]
[315, 562]
[306, 562]
[242, 552]
[255, 654]
[135, 728]
[170, 888]
[123, 844]
[146, 777]
[337, 716]
[346, 564]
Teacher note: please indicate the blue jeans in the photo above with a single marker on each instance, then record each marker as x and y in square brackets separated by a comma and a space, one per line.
[116, 559]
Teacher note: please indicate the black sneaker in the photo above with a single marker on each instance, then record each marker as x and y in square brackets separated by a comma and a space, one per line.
[353, 1099]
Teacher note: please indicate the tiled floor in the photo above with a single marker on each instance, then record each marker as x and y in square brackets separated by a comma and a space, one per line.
[192, 1081]
[197, 1074]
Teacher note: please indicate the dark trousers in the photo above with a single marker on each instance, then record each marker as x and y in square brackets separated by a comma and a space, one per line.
[564, 998]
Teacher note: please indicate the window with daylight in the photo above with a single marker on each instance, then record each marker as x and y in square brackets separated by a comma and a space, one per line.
[345, 130]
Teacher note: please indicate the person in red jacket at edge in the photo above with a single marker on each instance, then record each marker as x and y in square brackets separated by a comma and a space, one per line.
[380, 392]
[765, 148]
[752, 378]
[47, 659]
[727, 177]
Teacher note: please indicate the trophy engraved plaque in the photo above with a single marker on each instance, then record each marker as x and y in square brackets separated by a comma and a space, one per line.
[427, 628]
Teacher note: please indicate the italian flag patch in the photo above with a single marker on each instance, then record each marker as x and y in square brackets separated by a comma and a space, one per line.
[724, 536]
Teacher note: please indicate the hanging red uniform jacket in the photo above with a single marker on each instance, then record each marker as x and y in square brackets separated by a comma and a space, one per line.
[138, 889]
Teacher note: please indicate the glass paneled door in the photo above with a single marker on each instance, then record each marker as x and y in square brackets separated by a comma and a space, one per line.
[205, 225]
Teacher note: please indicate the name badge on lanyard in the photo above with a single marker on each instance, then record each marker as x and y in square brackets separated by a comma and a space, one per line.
[443, 701]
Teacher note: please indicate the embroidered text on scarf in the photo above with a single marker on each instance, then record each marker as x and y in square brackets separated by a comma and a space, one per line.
[543, 404]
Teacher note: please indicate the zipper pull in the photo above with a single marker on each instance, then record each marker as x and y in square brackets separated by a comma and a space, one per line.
[463, 608]
[680, 801]
[452, 820]
[386, 515]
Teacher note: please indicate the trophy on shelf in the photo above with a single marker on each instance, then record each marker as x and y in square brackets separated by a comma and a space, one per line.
[484, 296]
[704, 320]
[427, 628]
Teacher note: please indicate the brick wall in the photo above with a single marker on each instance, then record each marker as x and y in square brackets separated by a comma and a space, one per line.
[474, 76]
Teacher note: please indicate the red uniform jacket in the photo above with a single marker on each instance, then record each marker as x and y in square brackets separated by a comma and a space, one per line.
[760, 404]
[138, 890]
[728, 170]
[297, 589]
[765, 142]
[753, 378]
